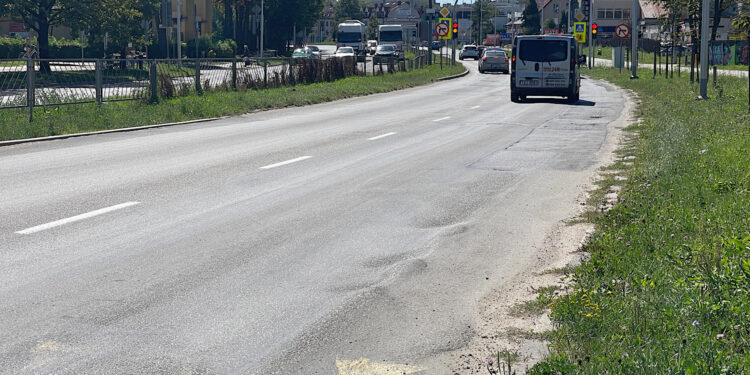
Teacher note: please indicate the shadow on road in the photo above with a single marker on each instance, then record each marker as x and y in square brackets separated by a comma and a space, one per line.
[581, 103]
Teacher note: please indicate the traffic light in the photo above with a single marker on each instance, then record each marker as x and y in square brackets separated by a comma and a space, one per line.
[455, 30]
[594, 30]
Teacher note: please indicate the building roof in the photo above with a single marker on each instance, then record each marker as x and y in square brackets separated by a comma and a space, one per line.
[649, 10]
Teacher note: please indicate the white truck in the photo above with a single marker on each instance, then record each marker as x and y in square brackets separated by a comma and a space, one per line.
[392, 34]
[352, 33]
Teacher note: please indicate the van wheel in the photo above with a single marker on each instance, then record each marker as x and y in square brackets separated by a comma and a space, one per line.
[574, 98]
[514, 97]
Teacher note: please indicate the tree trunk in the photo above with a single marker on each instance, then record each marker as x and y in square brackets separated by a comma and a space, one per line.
[717, 19]
[228, 20]
[692, 50]
[43, 40]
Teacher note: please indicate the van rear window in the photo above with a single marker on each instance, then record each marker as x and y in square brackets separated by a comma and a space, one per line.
[543, 50]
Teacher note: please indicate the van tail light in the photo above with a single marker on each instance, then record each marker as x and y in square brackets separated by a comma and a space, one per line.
[484, 59]
[506, 59]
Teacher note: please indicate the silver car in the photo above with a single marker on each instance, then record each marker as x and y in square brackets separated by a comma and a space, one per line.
[494, 60]
[469, 51]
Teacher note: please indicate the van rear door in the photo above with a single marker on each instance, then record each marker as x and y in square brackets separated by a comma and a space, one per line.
[528, 69]
[546, 60]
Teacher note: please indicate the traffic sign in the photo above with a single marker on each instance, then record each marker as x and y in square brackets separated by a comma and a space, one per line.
[579, 16]
[445, 12]
[622, 31]
[444, 24]
[579, 30]
[442, 29]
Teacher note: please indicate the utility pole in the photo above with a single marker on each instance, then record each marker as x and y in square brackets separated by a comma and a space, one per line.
[590, 36]
[262, 24]
[635, 15]
[704, 51]
[481, 5]
[179, 33]
[431, 17]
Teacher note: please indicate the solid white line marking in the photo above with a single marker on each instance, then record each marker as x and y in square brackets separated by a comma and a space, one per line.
[80, 217]
[286, 162]
[381, 136]
[441, 119]
[476, 106]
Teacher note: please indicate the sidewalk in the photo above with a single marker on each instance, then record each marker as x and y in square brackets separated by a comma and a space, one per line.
[724, 72]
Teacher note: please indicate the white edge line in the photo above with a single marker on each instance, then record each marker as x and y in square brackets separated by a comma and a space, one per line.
[80, 217]
[441, 119]
[381, 136]
[286, 162]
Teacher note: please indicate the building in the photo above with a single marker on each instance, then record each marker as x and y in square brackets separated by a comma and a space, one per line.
[323, 30]
[194, 13]
[552, 10]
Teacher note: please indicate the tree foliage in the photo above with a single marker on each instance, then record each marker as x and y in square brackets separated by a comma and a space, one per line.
[372, 27]
[482, 12]
[347, 10]
[531, 19]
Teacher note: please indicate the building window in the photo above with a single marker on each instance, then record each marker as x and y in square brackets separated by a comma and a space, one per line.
[626, 14]
[618, 14]
[600, 14]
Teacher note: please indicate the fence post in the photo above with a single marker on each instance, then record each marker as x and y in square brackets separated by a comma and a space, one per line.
[99, 89]
[30, 99]
[234, 73]
[265, 73]
[291, 72]
[154, 82]
[198, 87]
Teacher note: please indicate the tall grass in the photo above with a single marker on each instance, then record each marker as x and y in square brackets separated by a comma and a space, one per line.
[667, 287]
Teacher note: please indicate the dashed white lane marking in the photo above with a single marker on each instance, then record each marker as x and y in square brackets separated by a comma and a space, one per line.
[441, 119]
[381, 136]
[476, 106]
[286, 162]
[80, 217]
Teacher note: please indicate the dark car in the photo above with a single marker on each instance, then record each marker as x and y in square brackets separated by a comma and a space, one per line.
[435, 45]
[385, 53]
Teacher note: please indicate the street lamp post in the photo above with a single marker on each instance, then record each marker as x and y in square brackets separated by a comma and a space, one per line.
[635, 15]
[262, 22]
[179, 33]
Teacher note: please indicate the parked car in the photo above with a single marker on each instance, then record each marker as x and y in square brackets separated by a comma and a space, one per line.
[435, 45]
[545, 65]
[345, 52]
[494, 60]
[469, 52]
[384, 53]
[372, 45]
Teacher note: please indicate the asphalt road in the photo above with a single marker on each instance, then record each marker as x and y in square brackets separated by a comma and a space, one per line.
[282, 241]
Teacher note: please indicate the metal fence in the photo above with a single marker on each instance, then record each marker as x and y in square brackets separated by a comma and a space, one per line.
[34, 83]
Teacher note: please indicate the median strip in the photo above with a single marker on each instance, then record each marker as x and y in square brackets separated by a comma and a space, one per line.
[285, 162]
[73, 219]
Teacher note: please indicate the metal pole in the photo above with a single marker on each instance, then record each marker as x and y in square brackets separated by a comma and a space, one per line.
[30, 99]
[262, 24]
[590, 35]
[197, 25]
[635, 15]
[179, 33]
[704, 51]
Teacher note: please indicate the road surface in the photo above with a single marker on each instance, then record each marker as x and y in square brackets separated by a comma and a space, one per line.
[280, 242]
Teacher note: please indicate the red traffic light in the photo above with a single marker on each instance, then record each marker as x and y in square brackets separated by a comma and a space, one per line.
[455, 27]
[593, 28]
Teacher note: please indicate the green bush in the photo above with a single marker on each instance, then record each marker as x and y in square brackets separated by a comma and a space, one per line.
[11, 48]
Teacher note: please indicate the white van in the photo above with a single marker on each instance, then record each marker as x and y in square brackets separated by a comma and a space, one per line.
[545, 65]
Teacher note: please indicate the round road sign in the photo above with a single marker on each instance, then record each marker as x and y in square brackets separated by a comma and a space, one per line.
[622, 31]
[442, 29]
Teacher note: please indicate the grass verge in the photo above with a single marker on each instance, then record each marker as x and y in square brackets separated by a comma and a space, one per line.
[665, 290]
[56, 120]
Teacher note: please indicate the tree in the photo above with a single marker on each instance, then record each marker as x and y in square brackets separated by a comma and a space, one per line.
[564, 19]
[372, 27]
[482, 12]
[531, 19]
[347, 10]
[550, 23]
[121, 20]
[41, 15]
[285, 16]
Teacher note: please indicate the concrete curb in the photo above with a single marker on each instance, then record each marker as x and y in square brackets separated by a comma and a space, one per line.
[464, 74]
[123, 130]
